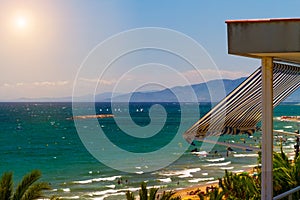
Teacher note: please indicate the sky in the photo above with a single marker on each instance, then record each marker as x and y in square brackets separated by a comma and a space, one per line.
[49, 47]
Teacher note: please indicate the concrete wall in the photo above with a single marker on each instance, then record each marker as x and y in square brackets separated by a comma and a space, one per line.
[252, 37]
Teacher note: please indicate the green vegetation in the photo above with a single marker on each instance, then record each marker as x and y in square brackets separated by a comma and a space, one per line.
[27, 189]
[286, 176]
[143, 194]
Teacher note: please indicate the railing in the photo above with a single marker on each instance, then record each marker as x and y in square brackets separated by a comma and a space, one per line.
[287, 193]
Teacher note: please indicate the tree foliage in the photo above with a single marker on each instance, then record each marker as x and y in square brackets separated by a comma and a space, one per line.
[27, 189]
[143, 194]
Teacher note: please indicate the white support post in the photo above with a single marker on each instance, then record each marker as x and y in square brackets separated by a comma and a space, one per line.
[267, 129]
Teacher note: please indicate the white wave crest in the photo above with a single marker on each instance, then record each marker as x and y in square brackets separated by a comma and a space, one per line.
[225, 168]
[196, 180]
[110, 186]
[218, 164]
[112, 178]
[165, 180]
[73, 197]
[245, 155]
[181, 173]
[66, 189]
[215, 159]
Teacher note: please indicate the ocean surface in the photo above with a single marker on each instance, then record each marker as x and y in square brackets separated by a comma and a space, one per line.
[43, 136]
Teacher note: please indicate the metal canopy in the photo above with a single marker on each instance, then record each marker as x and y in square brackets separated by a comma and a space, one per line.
[241, 110]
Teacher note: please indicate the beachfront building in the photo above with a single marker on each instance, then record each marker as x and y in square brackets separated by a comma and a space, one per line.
[277, 43]
[271, 40]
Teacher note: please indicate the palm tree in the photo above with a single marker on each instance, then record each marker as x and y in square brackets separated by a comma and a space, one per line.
[286, 174]
[27, 189]
[143, 194]
[239, 186]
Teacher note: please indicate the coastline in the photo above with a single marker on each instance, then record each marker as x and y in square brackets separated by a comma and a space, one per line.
[190, 192]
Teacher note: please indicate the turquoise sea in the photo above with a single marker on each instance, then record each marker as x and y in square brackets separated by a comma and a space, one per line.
[42, 136]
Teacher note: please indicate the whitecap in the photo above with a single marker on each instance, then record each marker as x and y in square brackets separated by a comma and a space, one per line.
[182, 173]
[112, 178]
[288, 127]
[218, 164]
[245, 155]
[212, 182]
[165, 180]
[196, 180]
[205, 174]
[104, 192]
[66, 189]
[83, 182]
[73, 197]
[226, 168]
[111, 186]
[200, 153]
[139, 172]
[215, 159]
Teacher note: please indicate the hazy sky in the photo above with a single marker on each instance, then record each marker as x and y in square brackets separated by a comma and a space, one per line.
[44, 42]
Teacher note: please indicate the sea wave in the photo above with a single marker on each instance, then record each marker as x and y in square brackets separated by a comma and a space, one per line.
[196, 180]
[249, 166]
[200, 153]
[218, 164]
[72, 197]
[226, 168]
[165, 180]
[215, 159]
[245, 155]
[181, 173]
[112, 178]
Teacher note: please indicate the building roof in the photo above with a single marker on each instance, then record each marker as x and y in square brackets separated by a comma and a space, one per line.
[277, 38]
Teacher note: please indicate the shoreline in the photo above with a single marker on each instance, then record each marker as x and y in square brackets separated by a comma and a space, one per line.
[190, 192]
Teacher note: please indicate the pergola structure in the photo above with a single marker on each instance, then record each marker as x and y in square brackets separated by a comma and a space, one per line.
[269, 40]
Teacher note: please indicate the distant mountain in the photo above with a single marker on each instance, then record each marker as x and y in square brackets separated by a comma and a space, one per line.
[175, 94]
[203, 92]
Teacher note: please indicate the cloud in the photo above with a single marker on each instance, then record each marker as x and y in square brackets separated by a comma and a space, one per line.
[102, 81]
[51, 83]
[6, 85]
[38, 84]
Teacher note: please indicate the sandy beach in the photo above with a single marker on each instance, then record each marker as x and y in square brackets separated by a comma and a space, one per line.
[191, 192]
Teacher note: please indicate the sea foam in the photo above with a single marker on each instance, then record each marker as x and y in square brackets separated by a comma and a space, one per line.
[112, 178]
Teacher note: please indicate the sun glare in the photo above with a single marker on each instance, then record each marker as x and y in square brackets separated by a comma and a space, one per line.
[21, 22]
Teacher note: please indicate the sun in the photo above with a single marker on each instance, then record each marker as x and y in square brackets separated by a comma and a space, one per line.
[21, 22]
